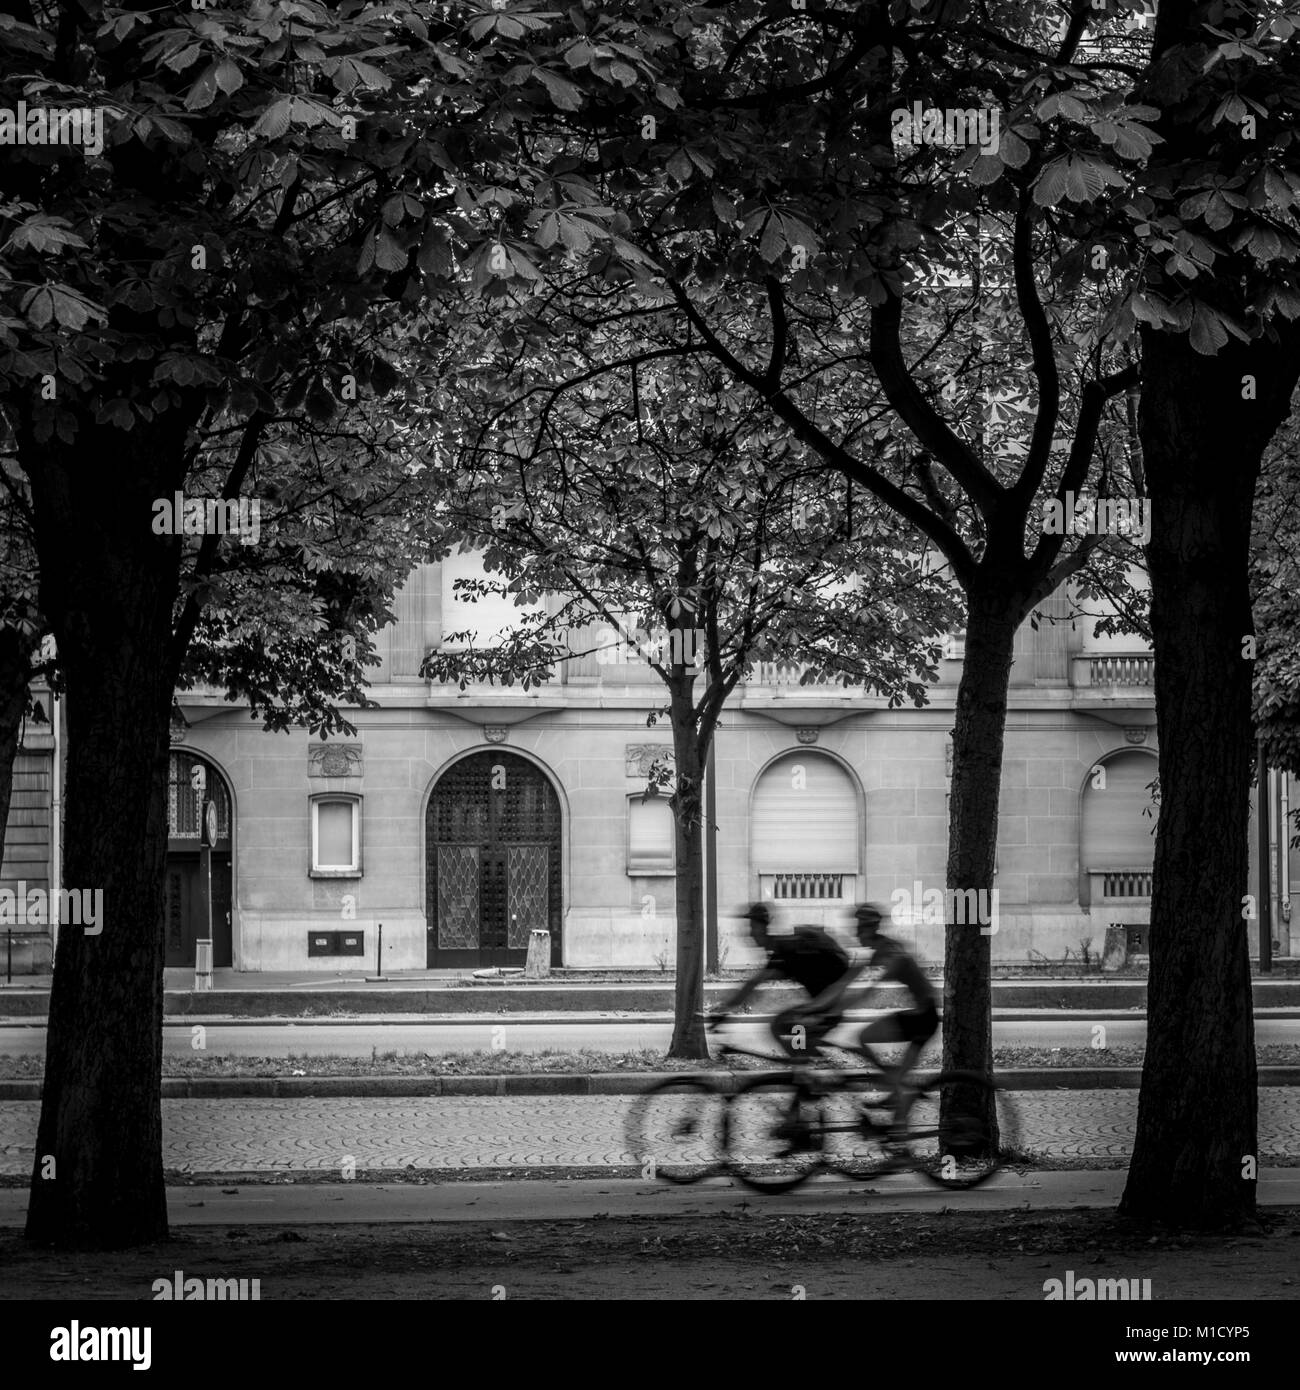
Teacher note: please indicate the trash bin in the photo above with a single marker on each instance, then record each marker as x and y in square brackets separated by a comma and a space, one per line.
[538, 964]
[203, 963]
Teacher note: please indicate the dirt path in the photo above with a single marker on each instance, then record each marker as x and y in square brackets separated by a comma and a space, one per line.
[750, 1256]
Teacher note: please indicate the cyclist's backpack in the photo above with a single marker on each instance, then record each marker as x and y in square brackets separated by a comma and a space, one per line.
[817, 941]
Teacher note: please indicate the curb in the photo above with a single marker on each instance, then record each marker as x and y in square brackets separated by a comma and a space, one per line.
[489, 1021]
[1127, 997]
[562, 1084]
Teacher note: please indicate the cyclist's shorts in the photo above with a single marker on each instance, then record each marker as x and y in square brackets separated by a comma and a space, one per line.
[918, 1025]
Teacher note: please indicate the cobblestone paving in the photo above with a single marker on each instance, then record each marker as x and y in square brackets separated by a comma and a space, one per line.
[218, 1136]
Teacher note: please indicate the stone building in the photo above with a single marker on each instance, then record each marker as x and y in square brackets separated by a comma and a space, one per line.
[461, 820]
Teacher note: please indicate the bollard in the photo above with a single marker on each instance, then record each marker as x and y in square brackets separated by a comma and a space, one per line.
[203, 963]
[379, 954]
[538, 964]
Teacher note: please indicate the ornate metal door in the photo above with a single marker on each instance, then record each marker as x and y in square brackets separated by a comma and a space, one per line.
[493, 861]
[183, 918]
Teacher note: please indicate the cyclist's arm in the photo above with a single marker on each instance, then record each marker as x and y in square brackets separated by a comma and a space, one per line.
[735, 1000]
[860, 995]
[830, 996]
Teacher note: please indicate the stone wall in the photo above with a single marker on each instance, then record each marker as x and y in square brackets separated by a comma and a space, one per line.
[597, 758]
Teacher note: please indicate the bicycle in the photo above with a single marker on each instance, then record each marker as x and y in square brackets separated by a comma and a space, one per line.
[689, 1128]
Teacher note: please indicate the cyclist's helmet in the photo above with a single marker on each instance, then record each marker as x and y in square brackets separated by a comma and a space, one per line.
[868, 918]
[759, 917]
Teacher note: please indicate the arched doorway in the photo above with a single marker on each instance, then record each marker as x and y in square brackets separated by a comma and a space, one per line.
[184, 906]
[492, 861]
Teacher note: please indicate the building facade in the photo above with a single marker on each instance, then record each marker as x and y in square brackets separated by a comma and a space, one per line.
[462, 820]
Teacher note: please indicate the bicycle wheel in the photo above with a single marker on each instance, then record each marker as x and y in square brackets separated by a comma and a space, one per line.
[675, 1130]
[759, 1139]
[854, 1121]
[950, 1139]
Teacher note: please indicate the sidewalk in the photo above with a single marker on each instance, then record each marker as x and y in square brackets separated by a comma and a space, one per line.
[550, 1135]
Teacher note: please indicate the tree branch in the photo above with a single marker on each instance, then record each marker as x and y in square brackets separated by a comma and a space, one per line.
[919, 415]
[780, 335]
[1044, 358]
[1095, 395]
[203, 565]
[803, 429]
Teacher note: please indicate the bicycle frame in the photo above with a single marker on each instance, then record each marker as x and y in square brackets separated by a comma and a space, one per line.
[801, 1069]
[887, 1120]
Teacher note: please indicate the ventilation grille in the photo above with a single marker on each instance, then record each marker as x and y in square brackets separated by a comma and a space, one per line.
[806, 887]
[1127, 883]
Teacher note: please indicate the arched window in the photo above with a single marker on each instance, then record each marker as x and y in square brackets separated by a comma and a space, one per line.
[1116, 838]
[192, 780]
[804, 831]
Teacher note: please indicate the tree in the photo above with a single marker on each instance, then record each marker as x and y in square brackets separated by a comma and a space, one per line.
[1220, 360]
[1275, 590]
[219, 263]
[21, 627]
[286, 624]
[1148, 159]
[226, 262]
[666, 511]
[786, 243]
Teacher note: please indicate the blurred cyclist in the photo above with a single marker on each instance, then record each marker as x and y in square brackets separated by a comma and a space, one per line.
[808, 956]
[811, 957]
[914, 1026]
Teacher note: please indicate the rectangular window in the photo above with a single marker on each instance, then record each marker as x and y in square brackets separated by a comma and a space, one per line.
[650, 836]
[476, 619]
[335, 836]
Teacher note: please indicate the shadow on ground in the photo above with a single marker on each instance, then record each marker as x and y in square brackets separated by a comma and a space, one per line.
[748, 1255]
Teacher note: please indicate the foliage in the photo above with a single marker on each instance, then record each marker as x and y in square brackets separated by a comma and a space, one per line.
[668, 507]
[1276, 588]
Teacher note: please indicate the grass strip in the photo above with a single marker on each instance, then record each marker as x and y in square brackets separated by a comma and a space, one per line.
[582, 1061]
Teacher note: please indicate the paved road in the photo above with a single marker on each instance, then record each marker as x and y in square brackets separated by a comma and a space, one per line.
[544, 1200]
[501, 1033]
[539, 1132]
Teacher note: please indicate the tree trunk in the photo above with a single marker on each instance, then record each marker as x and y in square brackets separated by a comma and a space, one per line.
[978, 738]
[16, 650]
[1195, 1149]
[107, 588]
[689, 1037]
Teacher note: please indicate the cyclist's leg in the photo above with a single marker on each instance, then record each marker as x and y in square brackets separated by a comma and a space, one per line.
[884, 1030]
[793, 1126]
[891, 1029]
[918, 1026]
[817, 1028]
